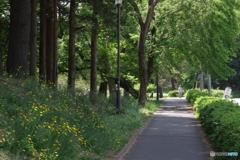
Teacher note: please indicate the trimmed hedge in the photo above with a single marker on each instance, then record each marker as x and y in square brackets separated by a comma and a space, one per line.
[218, 93]
[220, 120]
[215, 92]
[201, 102]
[193, 94]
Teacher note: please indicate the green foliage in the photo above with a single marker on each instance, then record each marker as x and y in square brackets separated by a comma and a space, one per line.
[215, 93]
[218, 93]
[193, 94]
[202, 101]
[190, 79]
[220, 119]
[151, 88]
[235, 94]
[150, 107]
[47, 123]
[201, 31]
[44, 123]
[233, 81]
[173, 93]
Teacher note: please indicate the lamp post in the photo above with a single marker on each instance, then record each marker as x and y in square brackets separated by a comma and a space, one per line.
[118, 100]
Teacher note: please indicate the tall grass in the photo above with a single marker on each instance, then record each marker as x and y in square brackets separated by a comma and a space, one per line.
[40, 122]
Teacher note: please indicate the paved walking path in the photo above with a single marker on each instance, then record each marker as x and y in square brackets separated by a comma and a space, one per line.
[173, 133]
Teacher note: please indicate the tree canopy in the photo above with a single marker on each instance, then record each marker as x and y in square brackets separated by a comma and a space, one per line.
[79, 38]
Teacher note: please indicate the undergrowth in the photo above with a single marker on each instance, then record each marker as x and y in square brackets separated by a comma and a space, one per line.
[41, 122]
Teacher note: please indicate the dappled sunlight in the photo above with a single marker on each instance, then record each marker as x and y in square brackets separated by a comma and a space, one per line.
[174, 114]
[172, 132]
[174, 117]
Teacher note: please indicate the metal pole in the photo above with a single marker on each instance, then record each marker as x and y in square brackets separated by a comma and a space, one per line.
[118, 103]
[209, 84]
[201, 82]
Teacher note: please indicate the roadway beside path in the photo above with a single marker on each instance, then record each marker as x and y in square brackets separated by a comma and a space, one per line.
[236, 100]
[172, 133]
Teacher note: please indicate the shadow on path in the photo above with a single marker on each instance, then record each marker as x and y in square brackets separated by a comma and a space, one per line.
[173, 133]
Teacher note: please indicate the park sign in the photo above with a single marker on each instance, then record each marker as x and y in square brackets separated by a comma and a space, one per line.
[200, 76]
[227, 92]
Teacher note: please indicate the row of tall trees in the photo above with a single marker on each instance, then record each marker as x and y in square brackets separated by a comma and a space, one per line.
[48, 37]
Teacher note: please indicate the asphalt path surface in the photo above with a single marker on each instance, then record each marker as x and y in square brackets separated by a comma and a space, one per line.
[172, 133]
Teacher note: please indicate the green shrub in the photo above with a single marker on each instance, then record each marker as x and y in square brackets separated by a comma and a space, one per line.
[236, 94]
[173, 93]
[151, 88]
[221, 120]
[218, 93]
[215, 93]
[193, 94]
[201, 102]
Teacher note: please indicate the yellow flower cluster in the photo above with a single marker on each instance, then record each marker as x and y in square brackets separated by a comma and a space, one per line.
[48, 124]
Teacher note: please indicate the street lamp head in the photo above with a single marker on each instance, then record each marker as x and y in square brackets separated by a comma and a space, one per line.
[118, 1]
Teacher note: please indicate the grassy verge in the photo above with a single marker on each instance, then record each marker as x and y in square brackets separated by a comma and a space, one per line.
[40, 122]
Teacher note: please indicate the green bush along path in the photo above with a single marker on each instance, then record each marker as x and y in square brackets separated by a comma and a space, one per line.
[173, 133]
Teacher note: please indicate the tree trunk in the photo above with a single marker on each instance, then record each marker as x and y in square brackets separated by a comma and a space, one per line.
[173, 83]
[111, 86]
[33, 38]
[160, 92]
[209, 84]
[55, 50]
[71, 60]
[142, 68]
[157, 80]
[110, 81]
[1, 51]
[103, 89]
[51, 47]
[104, 74]
[50, 44]
[150, 65]
[94, 42]
[93, 82]
[144, 26]
[43, 39]
[172, 80]
[201, 82]
[17, 60]
[128, 87]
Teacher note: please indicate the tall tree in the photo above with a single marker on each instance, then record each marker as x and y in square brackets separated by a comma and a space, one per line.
[55, 44]
[33, 38]
[43, 41]
[1, 52]
[94, 43]
[4, 32]
[206, 35]
[144, 28]
[17, 60]
[51, 42]
[71, 52]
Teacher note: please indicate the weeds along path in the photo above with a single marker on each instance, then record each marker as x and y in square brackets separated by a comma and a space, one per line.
[173, 133]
